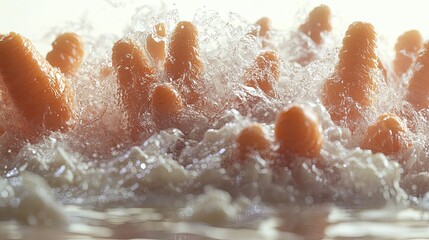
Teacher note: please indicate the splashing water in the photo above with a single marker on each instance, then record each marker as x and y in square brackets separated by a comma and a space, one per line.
[190, 173]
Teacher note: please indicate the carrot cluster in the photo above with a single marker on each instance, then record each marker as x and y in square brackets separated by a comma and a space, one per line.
[40, 88]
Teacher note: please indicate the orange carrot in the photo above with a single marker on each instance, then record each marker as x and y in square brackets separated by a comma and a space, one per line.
[156, 48]
[349, 90]
[418, 88]
[264, 72]
[264, 24]
[387, 135]
[183, 64]
[251, 139]
[166, 102]
[298, 132]
[135, 77]
[318, 21]
[67, 53]
[407, 46]
[40, 92]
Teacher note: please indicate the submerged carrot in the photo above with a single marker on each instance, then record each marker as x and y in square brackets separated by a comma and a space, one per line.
[67, 53]
[418, 88]
[407, 46]
[156, 48]
[183, 64]
[387, 135]
[298, 132]
[264, 72]
[40, 92]
[318, 21]
[166, 104]
[135, 77]
[251, 139]
[349, 90]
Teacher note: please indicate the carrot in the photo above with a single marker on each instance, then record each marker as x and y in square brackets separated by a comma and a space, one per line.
[67, 53]
[156, 48]
[252, 139]
[349, 91]
[183, 64]
[418, 88]
[40, 92]
[407, 46]
[264, 72]
[318, 21]
[264, 24]
[166, 104]
[297, 130]
[135, 77]
[387, 135]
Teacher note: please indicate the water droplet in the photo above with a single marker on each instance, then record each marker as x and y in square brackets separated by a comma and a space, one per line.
[143, 166]
[60, 171]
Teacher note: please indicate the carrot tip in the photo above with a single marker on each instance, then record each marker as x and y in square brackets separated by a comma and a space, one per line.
[349, 90]
[156, 49]
[67, 53]
[297, 130]
[407, 46]
[387, 135]
[250, 139]
[264, 72]
[418, 87]
[135, 78]
[318, 21]
[183, 63]
[264, 24]
[166, 102]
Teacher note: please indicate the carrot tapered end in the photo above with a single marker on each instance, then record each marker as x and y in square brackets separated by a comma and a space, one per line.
[67, 53]
[298, 132]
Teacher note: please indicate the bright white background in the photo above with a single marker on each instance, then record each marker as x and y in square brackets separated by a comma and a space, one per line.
[35, 18]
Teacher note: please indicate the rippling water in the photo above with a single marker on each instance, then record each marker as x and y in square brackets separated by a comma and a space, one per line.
[315, 222]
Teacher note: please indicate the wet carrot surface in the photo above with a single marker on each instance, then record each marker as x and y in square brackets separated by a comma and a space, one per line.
[264, 72]
[166, 104]
[183, 65]
[387, 135]
[407, 46]
[264, 24]
[251, 139]
[349, 91]
[156, 47]
[40, 92]
[154, 98]
[318, 21]
[418, 88]
[67, 53]
[298, 132]
[135, 78]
